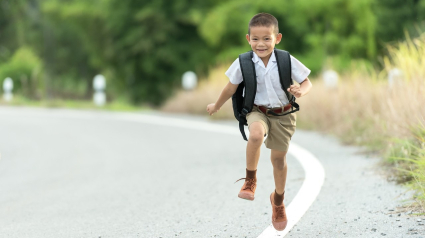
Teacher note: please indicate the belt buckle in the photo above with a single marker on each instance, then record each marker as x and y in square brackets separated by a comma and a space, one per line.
[267, 111]
[270, 109]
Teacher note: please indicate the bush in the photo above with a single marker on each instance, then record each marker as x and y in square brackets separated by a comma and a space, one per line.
[24, 67]
[408, 157]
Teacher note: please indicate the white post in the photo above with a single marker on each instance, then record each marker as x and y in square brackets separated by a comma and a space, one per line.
[330, 78]
[189, 80]
[99, 84]
[7, 88]
[394, 77]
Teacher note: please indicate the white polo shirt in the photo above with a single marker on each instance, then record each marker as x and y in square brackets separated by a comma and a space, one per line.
[269, 90]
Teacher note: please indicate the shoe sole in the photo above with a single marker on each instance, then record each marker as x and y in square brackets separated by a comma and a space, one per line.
[279, 226]
[246, 196]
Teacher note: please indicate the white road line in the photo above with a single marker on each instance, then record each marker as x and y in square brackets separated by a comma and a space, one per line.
[314, 171]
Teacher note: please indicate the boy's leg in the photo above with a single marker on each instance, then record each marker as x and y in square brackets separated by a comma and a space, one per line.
[280, 169]
[278, 141]
[256, 136]
[279, 219]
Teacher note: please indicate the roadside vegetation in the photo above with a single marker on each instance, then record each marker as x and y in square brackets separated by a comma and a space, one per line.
[53, 50]
[115, 105]
[364, 109]
[407, 157]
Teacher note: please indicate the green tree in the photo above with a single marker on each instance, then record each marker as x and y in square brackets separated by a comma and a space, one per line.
[20, 38]
[24, 67]
[147, 45]
[74, 39]
[312, 30]
[153, 43]
[396, 16]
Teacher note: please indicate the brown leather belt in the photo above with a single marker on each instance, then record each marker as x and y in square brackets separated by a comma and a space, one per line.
[275, 110]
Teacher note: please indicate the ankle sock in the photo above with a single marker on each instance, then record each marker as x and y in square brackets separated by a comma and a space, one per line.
[278, 198]
[251, 173]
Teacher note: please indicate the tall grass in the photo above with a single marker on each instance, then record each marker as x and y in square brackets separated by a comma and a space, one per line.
[364, 109]
[408, 159]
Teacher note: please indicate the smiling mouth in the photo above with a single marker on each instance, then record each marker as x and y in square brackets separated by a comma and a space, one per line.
[263, 50]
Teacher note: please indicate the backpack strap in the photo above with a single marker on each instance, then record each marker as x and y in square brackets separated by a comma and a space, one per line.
[283, 60]
[250, 83]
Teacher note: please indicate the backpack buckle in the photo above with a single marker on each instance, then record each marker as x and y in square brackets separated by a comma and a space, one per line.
[244, 112]
[292, 100]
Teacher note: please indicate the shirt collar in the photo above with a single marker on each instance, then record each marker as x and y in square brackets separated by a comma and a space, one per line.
[255, 57]
[273, 57]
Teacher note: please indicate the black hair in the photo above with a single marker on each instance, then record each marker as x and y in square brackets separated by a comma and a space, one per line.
[264, 19]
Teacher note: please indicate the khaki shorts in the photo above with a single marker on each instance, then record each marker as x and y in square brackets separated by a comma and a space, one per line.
[279, 129]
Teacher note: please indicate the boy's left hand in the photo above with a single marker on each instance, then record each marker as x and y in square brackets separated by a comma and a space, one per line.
[295, 90]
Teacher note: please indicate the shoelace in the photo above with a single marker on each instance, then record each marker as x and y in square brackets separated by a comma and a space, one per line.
[249, 185]
[279, 212]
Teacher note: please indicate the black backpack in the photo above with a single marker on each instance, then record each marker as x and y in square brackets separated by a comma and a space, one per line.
[242, 105]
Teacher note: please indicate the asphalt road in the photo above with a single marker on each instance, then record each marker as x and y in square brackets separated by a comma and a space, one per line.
[66, 173]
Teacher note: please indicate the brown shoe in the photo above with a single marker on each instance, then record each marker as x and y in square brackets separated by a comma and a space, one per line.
[279, 219]
[248, 189]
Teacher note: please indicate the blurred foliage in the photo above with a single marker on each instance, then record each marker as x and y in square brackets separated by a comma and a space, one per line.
[312, 30]
[147, 45]
[24, 66]
[397, 16]
[143, 47]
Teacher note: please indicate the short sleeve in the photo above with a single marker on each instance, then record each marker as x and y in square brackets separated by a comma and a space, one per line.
[234, 73]
[299, 72]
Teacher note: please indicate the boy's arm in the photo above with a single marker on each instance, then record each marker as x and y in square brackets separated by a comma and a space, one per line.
[227, 92]
[300, 90]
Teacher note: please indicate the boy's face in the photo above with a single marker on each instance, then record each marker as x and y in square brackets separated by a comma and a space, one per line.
[262, 40]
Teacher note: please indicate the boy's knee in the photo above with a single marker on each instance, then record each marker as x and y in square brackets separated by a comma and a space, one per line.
[279, 162]
[256, 132]
[256, 137]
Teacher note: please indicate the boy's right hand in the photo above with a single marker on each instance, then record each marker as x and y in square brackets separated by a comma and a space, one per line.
[211, 108]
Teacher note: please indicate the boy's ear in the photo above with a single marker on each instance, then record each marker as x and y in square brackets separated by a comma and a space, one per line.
[247, 37]
[278, 38]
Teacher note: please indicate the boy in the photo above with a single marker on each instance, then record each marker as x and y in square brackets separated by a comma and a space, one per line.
[263, 34]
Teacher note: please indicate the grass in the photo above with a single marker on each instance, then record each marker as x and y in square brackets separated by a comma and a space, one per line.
[407, 158]
[117, 105]
[363, 109]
